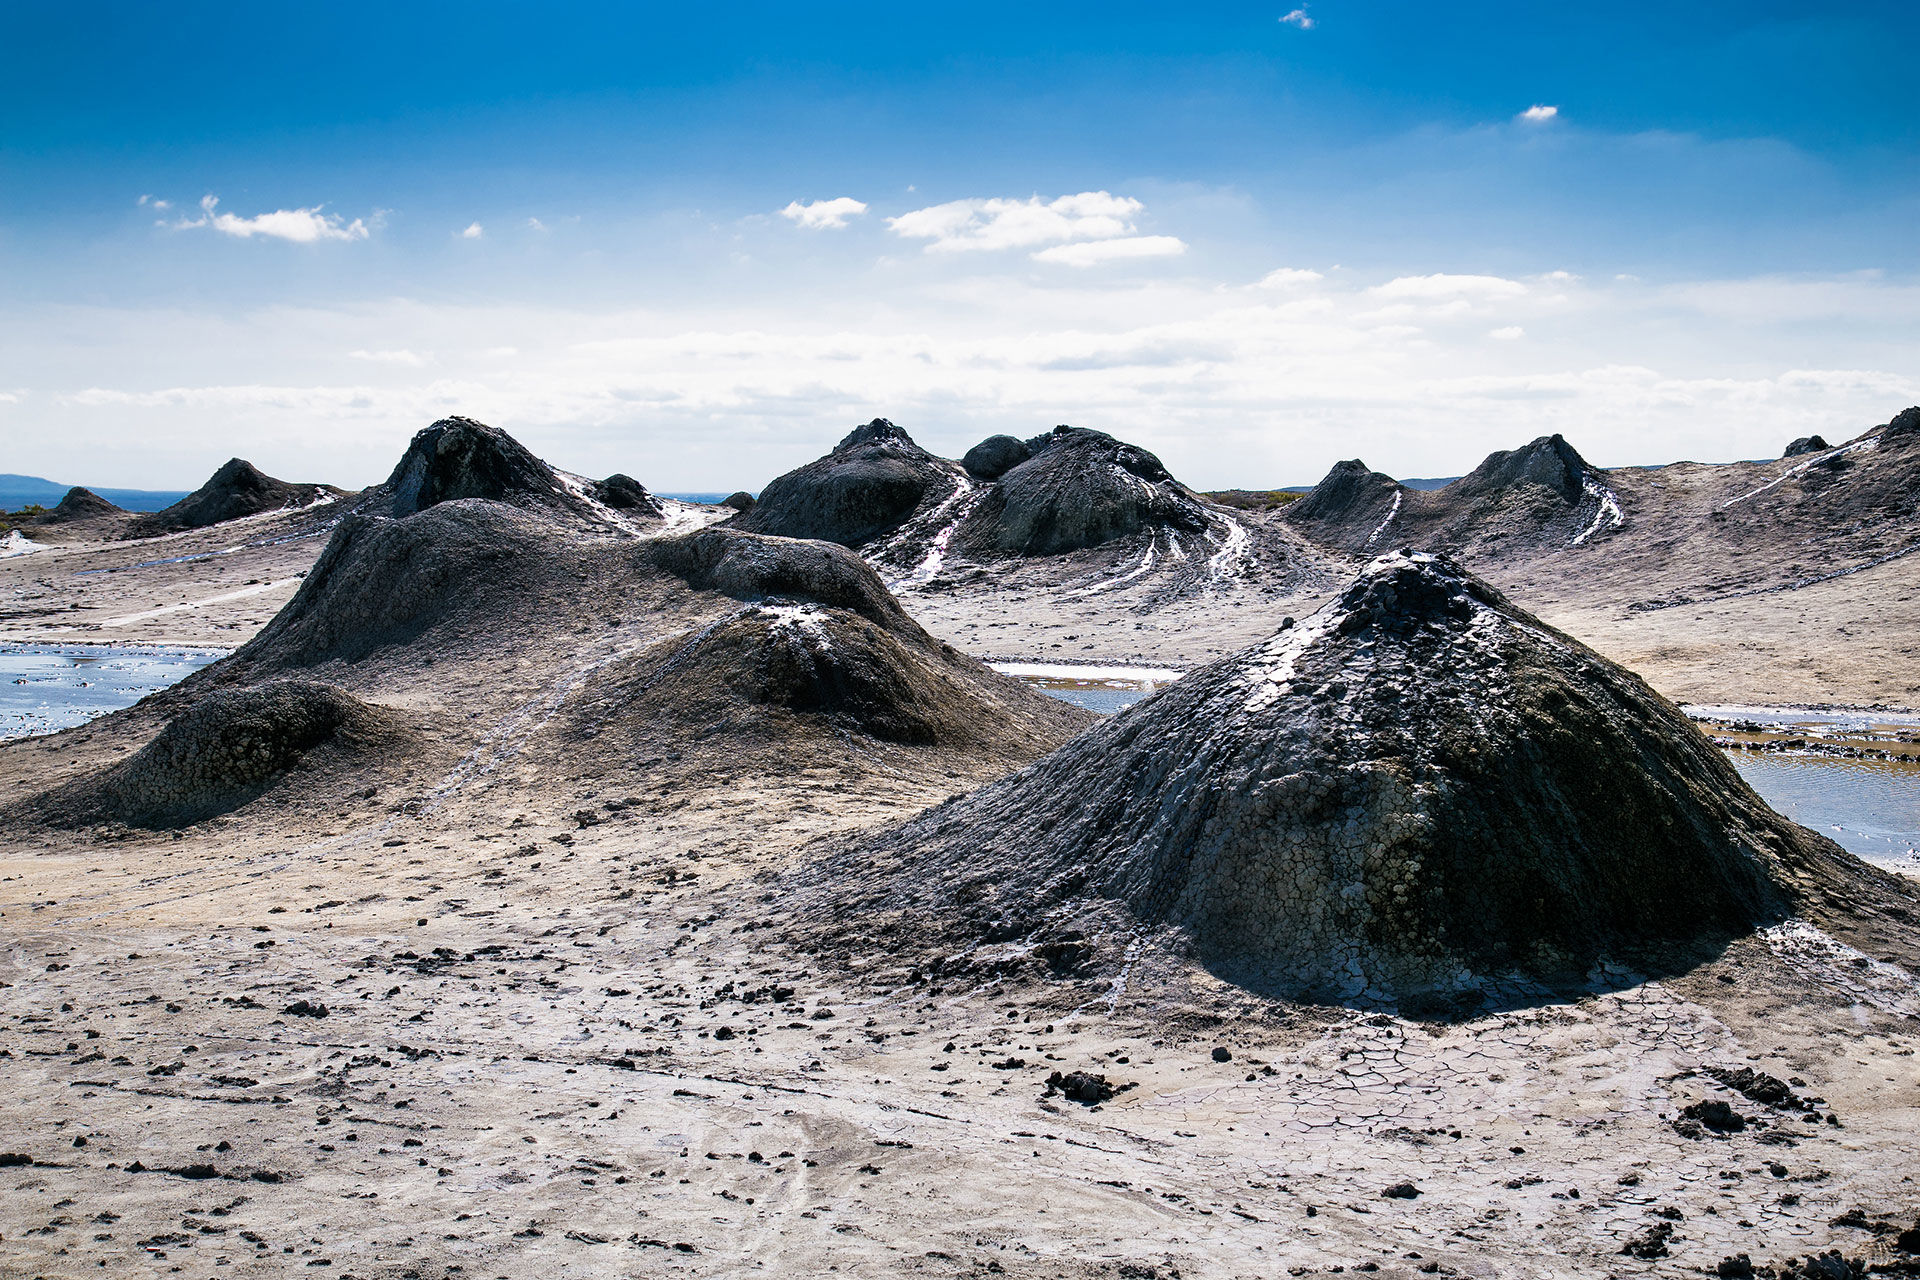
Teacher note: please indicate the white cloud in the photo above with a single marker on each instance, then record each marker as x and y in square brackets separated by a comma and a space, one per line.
[534, 224]
[157, 204]
[1298, 18]
[961, 225]
[473, 232]
[823, 215]
[301, 226]
[1538, 114]
[1289, 278]
[401, 356]
[1507, 333]
[1441, 285]
[1094, 252]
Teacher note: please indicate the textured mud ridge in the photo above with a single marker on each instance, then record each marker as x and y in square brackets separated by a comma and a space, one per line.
[229, 749]
[1076, 489]
[1420, 795]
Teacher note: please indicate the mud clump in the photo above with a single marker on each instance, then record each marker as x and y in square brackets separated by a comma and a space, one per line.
[740, 501]
[1078, 489]
[995, 456]
[1806, 444]
[1420, 795]
[871, 484]
[625, 494]
[237, 489]
[227, 750]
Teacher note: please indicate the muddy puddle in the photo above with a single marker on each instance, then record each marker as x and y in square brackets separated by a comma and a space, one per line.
[45, 688]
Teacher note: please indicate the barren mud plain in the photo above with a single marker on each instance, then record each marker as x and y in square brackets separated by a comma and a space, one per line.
[561, 881]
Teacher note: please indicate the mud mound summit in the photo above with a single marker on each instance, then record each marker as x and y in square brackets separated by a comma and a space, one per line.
[1420, 795]
[458, 458]
[1077, 489]
[815, 647]
[237, 489]
[870, 484]
[227, 750]
[79, 504]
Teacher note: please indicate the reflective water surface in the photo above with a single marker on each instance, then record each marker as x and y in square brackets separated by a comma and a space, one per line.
[44, 688]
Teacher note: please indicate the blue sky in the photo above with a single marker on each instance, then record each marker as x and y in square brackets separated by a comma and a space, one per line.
[1254, 238]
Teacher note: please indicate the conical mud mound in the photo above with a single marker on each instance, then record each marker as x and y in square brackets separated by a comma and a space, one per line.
[227, 750]
[237, 489]
[1419, 795]
[1076, 489]
[80, 504]
[459, 458]
[1352, 508]
[816, 651]
[871, 484]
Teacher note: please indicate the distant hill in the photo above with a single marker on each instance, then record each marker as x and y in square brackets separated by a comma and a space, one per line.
[21, 491]
[1427, 485]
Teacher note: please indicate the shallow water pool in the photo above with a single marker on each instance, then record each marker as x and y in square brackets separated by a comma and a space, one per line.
[45, 688]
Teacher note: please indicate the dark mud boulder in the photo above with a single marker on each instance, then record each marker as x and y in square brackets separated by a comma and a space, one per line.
[871, 484]
[1353, 507]
[229, 748]
[237, 489]
[459, 458]
[741, 501]
[995, 456]
[79, 504]
[1420, 795]
[1806, 444]
[1079, 489]
[753, 567]
[625, 494]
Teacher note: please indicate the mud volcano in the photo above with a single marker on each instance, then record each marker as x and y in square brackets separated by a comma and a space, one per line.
[871, 484]
[814, 651]
[1420, 795]
[458, 458]
[79, 504]
[1539, 498]
[227, 750]
[1351, 508]
[1075, 489]
[237, 489]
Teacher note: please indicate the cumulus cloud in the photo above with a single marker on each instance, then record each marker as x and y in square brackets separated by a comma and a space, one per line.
[473, 232]
[1538, 114]
[1298, 18]
[1289, 278]
[300, 226]
[150, 202]
[824, 215]
[1092, 253]
[963, 225]
[1444, 286]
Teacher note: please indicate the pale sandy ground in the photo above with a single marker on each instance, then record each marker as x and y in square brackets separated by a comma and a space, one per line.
[562, 1106]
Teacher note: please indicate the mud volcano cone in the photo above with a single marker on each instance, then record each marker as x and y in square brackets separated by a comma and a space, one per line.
[237, 489]
[1074, 489]
[1419, 794]
[871, 484]
[459, 458]
[230, 748]
[1352, 508]
[80, 504]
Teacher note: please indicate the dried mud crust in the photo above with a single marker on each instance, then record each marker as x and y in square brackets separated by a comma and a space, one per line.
[1419, 795]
